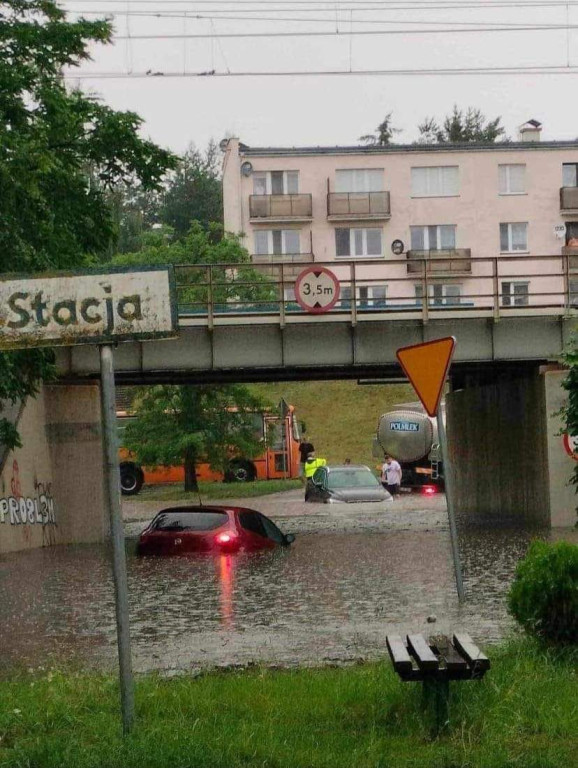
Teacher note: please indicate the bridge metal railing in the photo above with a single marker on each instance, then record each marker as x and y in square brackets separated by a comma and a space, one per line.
[499, 286]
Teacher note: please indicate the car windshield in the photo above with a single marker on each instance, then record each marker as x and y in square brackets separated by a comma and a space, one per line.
[176, 520]
[351, 478]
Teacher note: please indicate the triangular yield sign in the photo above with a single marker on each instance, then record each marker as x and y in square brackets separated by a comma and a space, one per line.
[426, 366]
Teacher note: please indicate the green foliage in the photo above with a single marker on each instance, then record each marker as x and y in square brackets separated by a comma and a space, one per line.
[384, 133]
[164, 493]
[544, 595]
[461, 127]
[178, 425]
[60, 151]
[194, 191]
[523, 714]
[570, 384]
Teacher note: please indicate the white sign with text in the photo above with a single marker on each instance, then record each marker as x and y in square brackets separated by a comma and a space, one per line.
[100, 307]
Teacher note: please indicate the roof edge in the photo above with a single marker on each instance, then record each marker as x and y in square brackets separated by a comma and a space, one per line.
[502, 146]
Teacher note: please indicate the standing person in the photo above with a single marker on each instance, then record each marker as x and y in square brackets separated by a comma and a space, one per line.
[311, 466]
[391, 474]
[305, 448]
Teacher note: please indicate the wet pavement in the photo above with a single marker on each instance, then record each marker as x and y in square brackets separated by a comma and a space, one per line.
[352, 576]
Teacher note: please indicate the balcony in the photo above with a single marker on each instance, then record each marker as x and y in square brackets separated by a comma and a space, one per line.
[280, 207]
[343, 206]
[569, 199]
[442, 263]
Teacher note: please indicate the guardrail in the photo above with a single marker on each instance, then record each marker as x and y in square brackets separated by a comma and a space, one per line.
[358, 204]
[497, 287]
[447, 261]
[280, 206]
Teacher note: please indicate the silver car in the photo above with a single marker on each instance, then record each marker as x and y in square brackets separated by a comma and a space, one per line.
[347, 483]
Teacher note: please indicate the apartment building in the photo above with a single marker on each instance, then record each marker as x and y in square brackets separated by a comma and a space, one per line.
[460, 223]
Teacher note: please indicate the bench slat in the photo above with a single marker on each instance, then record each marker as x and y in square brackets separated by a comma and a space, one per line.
[453, 661]
[475, 658]
[420, 650]
[400, 658]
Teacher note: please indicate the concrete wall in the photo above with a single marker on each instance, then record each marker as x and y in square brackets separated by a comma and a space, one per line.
[51, 489]
[508, 460]
[74, 438]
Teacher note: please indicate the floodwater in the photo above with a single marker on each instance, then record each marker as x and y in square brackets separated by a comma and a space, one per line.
[330, 597]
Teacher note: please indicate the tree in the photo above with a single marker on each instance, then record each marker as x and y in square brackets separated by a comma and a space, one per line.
[570, 411]
[194, 191]
[184, 424]
[60, 151]
[384, 133]
[461, 127]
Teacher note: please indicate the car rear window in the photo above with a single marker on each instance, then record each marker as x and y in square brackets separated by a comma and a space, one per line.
[352, 478]
[189, 521]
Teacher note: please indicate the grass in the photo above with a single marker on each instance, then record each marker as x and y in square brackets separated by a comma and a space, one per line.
[219, 490]
[524, 714]
[341, 416]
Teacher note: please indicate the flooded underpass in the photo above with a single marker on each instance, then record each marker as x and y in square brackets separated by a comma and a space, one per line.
[330, 597]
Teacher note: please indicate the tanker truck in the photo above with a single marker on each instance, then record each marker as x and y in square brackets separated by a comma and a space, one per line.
[411, 436]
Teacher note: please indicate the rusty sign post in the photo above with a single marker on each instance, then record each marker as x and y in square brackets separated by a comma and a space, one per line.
[102, 308]
[426, 366]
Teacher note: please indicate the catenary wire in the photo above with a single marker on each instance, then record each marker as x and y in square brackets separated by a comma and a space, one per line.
[150, 74]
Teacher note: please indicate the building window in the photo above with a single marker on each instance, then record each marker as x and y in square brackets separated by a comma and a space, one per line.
[359, 180]
[572, 234]
[277, 241]
[358, 242]
[435, 181]
[570, 174]
[372, 296]
[433, 238]
[515, 294]
[276, 183]
[512, 179]
[513, 237]
[289, 294]
[440, 294]
[368, 296]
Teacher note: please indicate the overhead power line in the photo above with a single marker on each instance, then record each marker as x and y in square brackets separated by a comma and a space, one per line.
[153, 75]
[348, 32]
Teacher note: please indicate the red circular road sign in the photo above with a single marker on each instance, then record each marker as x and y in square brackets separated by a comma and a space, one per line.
[571, 445]
[317, 290]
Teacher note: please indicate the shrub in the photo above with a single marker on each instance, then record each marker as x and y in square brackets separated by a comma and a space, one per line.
[544, 595]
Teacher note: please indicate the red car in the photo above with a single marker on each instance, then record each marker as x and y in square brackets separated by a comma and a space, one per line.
[181, 530]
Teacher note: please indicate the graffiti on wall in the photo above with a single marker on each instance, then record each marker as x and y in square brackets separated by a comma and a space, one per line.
[17, 509]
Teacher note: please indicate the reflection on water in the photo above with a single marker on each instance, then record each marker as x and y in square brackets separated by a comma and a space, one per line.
[328, 597]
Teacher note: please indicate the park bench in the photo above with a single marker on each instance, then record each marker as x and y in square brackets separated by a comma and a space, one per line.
[435, 663]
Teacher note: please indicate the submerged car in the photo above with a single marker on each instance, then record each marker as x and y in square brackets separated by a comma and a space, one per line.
[183, 530]
[348, 483]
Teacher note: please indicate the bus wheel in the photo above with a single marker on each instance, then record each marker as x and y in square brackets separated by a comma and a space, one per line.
[131, 478]
[240, 471]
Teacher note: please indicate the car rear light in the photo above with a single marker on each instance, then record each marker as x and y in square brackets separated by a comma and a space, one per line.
[226, 539]
[429, 490]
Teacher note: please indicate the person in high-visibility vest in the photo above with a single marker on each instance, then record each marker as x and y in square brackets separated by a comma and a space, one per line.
[312, 464]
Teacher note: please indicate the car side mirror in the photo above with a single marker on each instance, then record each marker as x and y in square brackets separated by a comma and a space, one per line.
[289, 538]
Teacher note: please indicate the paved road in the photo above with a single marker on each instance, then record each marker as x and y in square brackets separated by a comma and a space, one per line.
[291, 513]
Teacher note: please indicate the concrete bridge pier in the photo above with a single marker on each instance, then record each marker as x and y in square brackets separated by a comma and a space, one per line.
[509, 460]
[51, 489]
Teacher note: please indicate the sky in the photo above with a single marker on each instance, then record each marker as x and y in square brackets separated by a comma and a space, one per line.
[181, 106]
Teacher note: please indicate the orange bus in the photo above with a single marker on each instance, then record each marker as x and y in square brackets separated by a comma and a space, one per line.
[280, 459]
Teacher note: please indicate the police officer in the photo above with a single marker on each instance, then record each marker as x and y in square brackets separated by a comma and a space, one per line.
[311, 466]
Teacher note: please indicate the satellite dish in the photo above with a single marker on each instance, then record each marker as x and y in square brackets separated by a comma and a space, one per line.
[247, 168]
[223, 144]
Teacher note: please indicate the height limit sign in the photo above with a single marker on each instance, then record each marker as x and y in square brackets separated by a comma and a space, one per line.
[317, 290]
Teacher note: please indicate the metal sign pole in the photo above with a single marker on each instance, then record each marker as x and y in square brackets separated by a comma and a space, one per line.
[112, 482]
[448, 481]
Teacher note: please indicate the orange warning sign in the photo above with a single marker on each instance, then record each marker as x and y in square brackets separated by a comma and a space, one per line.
[426, 366]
